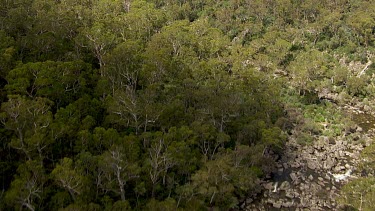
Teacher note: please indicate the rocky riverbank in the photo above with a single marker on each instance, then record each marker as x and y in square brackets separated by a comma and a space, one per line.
[310, 176]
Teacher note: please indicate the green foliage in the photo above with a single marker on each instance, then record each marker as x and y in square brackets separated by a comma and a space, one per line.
[273, 137]
[168, 204]
[27, 188]
[60, 82]
[168, 105]
[7, 53]
[359, 194]
[121, 206]
[67, 177]
[368, 164]
[356, 85]
[117, 167]
[30, 121]
[216, 182]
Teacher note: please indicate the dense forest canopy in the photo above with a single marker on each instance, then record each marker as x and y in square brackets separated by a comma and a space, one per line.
[165, 105]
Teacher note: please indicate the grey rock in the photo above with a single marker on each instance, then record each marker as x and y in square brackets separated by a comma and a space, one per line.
[268, 186]
[359, 129]
[295, 165]
[296, 194]
[367, 108]
[287, 204]
[351, 130]
[328, 164]
[331, 141]
[249, 200]
[326, 204]
[321, 184]
[289, 194]
[285, 165]
[327, 177]
[293, 176]
[277, 205]
[311, 165]
[285, 185]
[339, 168]
[356, 137]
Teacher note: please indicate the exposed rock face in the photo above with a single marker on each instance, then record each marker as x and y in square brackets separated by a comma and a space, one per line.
[312, 175]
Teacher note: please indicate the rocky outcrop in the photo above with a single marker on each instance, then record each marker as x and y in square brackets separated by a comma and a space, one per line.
[310, 177]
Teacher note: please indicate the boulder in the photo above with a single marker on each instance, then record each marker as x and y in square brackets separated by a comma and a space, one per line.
[268, 186]
[311, 165]
[337, 168]
[293, 176]
[296, 194]
[277, 205]
[356, 138]
[359, 129]
[352, 130]
[295, 165]
[332, 141]
[367, 108]
[327, 177]
[249, 200]
[289, 195]
[320, 183]
[285, 185]
[285, 165]
[287, 204]
[328, 164]
[326, 204]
